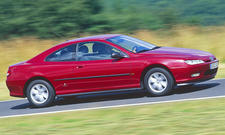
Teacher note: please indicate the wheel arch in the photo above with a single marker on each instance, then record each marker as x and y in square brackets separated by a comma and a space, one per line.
[146, 69]
[32, 79]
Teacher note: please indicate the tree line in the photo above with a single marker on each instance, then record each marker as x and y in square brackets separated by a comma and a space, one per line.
[64, 18]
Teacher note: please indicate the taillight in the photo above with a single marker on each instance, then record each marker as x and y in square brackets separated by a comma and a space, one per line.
[8, 73]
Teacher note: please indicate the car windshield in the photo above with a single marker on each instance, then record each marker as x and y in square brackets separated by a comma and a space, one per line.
[132, 44]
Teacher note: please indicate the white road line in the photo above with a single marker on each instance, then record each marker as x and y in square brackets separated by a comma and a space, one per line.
[218, 79]
[25, 98]
[11, 100]
[114, 106]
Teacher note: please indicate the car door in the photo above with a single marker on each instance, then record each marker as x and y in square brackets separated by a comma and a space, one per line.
[95, 69]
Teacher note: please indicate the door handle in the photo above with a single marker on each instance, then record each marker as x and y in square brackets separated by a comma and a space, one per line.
[77, 67]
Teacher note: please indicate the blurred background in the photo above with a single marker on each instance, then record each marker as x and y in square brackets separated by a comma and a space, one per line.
[28, 27]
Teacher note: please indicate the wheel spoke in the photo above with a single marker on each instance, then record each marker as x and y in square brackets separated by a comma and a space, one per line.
[45, 95]
[155, 86]
[34, 92]
[40, 87]
[37, 98]
[43, 89]
[41, 98]
[160, 87]
[35, 87]
[155, 76]
[164, 84]
[152, 79]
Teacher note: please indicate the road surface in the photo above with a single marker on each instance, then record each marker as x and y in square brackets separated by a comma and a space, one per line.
[208, 89]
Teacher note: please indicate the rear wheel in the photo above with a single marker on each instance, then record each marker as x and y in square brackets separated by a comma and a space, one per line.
[40, 93]
[158, 82]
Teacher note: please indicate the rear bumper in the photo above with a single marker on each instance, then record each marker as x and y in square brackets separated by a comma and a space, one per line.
[15, 88]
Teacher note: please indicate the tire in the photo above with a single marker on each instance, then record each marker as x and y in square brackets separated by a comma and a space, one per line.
[158, 82]
[40, 93]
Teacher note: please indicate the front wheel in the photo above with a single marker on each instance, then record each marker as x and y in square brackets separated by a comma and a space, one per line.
[158, 82]
[40, 93]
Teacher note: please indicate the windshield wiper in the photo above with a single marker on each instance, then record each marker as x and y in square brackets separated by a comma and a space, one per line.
[144, 50]
[155, 47]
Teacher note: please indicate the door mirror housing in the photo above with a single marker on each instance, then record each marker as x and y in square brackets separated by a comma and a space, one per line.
[118, 55]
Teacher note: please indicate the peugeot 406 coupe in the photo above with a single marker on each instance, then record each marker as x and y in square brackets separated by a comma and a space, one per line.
[107, 63]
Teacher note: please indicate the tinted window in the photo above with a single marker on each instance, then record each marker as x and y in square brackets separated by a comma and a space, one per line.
[64, 54]
[94, 51]
[131, 44]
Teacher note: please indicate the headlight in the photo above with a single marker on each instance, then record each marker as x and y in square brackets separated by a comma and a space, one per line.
[194, 62]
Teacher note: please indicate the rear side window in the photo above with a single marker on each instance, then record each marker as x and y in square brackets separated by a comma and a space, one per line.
[64, 54]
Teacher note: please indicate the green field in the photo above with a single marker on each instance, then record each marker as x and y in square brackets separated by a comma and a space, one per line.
[4, 92]
[202, 117]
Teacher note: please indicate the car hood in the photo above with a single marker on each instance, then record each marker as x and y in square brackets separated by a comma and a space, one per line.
[180, 53]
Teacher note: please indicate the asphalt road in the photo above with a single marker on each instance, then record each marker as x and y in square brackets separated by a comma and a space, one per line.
[210, 88]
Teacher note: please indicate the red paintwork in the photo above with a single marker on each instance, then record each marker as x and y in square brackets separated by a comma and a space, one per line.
[168, 57]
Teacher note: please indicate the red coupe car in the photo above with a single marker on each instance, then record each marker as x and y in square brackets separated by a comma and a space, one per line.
[107, 63]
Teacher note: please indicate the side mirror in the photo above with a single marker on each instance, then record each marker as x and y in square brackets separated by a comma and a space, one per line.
[117, 55]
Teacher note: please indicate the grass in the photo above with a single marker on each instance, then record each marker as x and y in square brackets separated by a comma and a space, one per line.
[4, 92]
[209, 39]
[202, 117]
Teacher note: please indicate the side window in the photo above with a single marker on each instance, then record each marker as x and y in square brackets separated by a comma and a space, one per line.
[64, 54]
[94, 51]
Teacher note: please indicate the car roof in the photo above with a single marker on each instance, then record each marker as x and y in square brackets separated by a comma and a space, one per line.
[97, 37]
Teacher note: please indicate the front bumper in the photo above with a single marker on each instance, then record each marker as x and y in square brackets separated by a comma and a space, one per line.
[184, 75]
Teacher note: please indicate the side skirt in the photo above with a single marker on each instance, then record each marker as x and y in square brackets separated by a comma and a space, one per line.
[98, 92]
